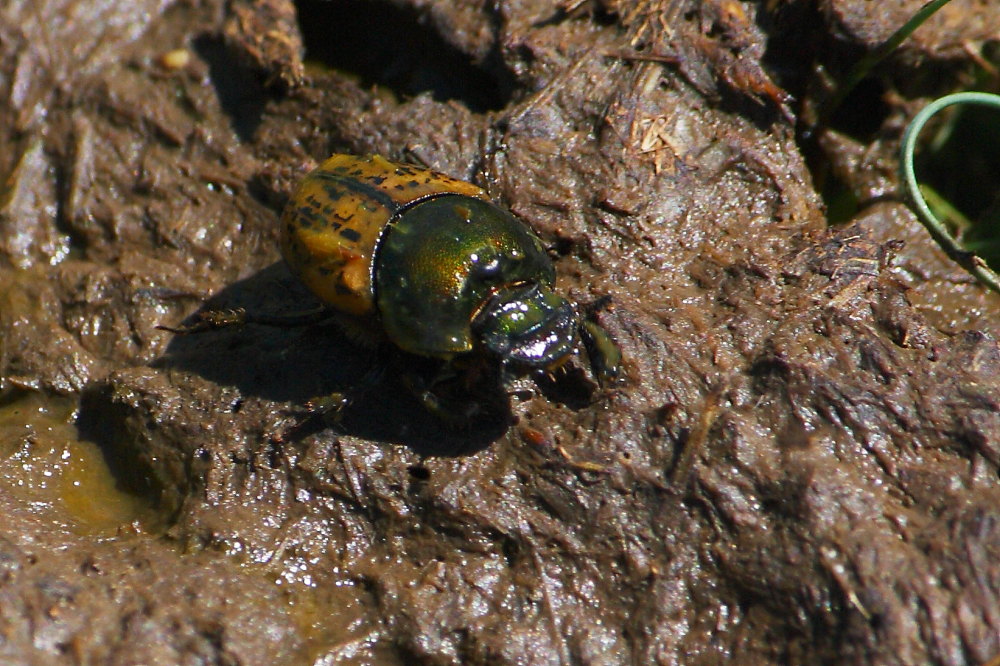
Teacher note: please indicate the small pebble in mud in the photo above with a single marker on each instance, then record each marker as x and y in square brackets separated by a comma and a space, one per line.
[175, 59]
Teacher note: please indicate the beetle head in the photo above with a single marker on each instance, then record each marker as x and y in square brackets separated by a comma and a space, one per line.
[529, 325]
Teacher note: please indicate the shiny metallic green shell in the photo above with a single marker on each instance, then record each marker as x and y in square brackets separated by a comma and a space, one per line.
[440, 263]
[420, 251]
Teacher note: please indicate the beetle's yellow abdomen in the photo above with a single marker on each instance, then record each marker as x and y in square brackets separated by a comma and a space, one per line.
[332, 225]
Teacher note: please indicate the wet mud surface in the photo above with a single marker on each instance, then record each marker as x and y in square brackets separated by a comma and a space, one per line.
[799, 466]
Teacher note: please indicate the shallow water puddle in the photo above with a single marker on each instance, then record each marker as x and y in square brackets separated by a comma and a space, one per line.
[50, 476]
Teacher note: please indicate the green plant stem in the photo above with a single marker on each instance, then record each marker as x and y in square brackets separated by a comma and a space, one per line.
[867, 63]
[938, 231]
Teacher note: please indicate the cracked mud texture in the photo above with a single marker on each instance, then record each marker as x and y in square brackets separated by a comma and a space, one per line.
[800, 467]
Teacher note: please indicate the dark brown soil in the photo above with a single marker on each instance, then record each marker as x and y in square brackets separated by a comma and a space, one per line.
[801, 466]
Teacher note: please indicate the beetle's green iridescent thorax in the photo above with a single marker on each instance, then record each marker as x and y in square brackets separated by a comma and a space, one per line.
[442, 261]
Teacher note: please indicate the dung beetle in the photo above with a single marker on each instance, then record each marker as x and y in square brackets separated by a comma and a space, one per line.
[434, 264]
[404, 254]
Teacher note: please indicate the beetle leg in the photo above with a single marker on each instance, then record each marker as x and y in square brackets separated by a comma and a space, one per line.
[444, 408]
[209, 320]
[213, 319]
[331, 407]
[290, 319]
[605, 356]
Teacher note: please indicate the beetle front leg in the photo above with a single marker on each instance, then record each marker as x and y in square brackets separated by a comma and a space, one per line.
[604, 355]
